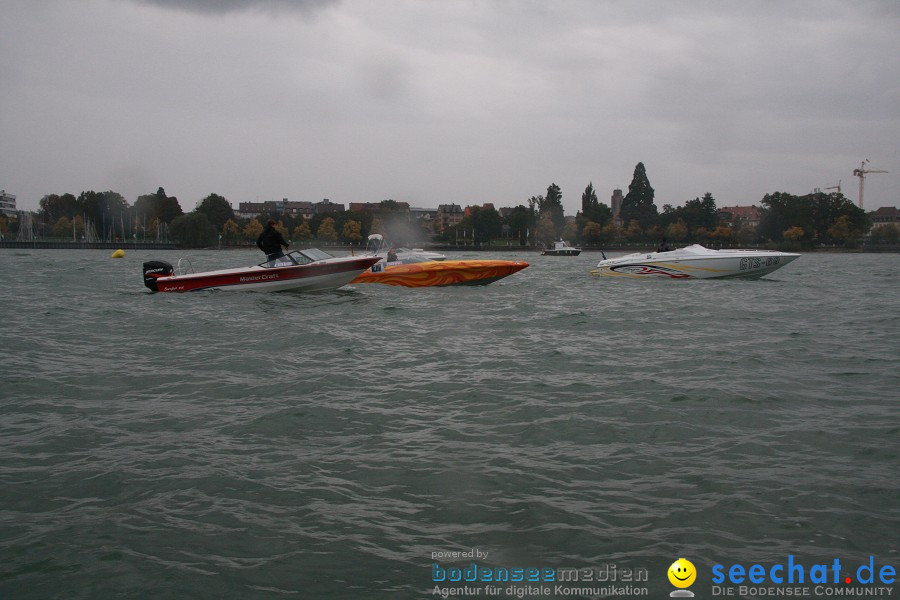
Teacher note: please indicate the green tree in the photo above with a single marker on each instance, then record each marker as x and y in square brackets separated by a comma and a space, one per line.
[842, 229]
[602, 214]
[217, 209]
[105, 210]
[78, 224]
[158, 206]
[484, 222]
[546, 229]
[723, 233]
[589, 199]
[352, 231]
[326, 231]
[633, 232]
[677, 231]
[815, 213]
[589, 203]
[592, 232]
[302, 232]
[62, 227]
[744, 233]
[794, 234]
[168, 206]
[610, 232]
[638, 202]
[230, 231]
[886, 234]
[694, 214]
[252, 230]
[280, 228]
[592, 209]
[53, 206]
[552, 205]
[520, 221]
[194, 230]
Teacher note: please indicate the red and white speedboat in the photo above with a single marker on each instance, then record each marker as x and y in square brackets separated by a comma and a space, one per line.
[301, 270]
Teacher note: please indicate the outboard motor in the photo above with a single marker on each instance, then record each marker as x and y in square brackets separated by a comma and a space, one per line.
[154, 269]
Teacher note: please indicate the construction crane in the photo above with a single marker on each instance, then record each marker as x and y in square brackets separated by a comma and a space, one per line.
[861, 172]
[835, 187]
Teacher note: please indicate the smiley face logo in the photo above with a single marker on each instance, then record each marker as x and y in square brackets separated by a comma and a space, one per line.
[682, 573]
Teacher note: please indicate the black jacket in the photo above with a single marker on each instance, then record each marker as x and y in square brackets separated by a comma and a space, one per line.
[270, 240]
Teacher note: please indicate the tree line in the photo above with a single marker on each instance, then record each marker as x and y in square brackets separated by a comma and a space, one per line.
[108, 216]
[800, 221]
[785, 219]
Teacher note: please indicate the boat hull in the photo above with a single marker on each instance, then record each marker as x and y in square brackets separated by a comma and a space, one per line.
[698, 264]
[307, 278]
[443, 273]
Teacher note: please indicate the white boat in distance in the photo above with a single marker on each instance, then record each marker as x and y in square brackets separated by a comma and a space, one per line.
[561, 248]
[695, 262]
[377, 246]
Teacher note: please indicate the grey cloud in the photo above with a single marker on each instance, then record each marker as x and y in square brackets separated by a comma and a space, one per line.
[441, 101]
[219, 7]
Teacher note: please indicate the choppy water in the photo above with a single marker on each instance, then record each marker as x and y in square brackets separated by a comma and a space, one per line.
[219, 444]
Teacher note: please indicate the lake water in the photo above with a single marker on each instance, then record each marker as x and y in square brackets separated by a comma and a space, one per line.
[260, 445]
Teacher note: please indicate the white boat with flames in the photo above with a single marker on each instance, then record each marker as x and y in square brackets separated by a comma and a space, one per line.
[695, 262]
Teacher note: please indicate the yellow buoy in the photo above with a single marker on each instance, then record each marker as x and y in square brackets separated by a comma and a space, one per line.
[118, 253]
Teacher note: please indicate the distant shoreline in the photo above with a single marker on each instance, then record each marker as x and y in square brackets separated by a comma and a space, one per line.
[57, 245]
[46, 245]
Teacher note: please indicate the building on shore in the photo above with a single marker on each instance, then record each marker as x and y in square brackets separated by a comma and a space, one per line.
[327, 207]
[486, 206]
[299, 209]
[376, 206]
[249, 210]
[7, 204]
[744, 215]
[448, 215]
[886, 215]
[615, 202]
[427, 216]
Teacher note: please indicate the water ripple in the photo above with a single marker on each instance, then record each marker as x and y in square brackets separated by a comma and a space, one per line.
[267, 445]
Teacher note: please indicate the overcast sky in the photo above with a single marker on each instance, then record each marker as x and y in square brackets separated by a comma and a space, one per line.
[433, 102]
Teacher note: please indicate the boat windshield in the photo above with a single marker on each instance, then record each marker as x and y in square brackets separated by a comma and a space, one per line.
[297, 257]
[375, 244]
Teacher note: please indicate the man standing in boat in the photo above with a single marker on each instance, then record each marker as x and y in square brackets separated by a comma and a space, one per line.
[271, 241]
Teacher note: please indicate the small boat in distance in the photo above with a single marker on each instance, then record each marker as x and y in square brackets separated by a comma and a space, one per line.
[695, 262]
[301, 270]
[561, 248]
[377, 246]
